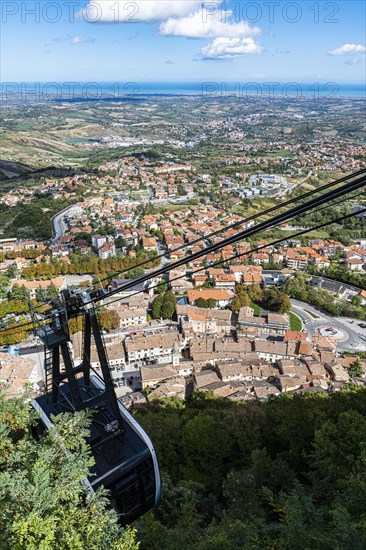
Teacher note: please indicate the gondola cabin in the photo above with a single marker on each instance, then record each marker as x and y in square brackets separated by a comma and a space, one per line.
[126, 464]
[125, 459]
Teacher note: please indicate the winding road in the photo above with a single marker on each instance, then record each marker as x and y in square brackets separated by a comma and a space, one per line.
[59, 224]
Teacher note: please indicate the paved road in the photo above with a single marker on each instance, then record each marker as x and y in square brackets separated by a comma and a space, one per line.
[354, 335]
[305, 178]
[59, 225]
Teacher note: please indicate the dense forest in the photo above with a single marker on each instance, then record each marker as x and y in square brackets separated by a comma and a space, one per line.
[287, 473]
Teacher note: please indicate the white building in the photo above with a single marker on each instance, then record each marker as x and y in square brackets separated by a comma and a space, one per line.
[98, 241]
[132, 317]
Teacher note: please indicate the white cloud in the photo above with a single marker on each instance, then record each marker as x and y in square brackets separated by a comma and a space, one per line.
[228, 48]
[181, 18]
[79, 39]
[348, 49]
[206, 25]
[127, 11]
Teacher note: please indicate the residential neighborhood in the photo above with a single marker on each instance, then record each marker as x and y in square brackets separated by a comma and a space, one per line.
[235, 322]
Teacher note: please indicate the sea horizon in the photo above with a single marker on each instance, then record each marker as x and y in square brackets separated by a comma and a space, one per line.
[118, 89]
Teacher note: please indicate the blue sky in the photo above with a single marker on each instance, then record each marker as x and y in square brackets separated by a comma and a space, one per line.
[183, 40]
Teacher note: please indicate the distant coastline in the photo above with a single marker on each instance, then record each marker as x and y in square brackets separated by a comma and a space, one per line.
[109, 91]
[245, 87]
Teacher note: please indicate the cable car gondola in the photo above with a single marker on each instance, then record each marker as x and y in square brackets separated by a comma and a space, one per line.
[125, 459]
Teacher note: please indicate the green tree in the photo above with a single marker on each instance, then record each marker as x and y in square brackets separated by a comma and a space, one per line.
[134, 273]
[255, 293]
[52, 292]
[283, 303]
[201, 302]
[287, 473]
[167, 309]
[235, 304]
[274, 300]
[356, 301]
[161, 287]
[19, 293]
[41, 295]
[109, 319]
[355, 369]
[181, 191]
[43, 504]
[240, 291]
[169, 296]
[156, 307]
[207, 448]
[241, 298]
[338, 447]
[176, 522]
[11, 272]
[4, 283]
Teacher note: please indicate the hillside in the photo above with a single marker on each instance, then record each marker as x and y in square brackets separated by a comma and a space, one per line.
[288, 473]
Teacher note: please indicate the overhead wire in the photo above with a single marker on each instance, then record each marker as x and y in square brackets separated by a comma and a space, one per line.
[232, 226]
[138, 292]
[318, 201]
[237, 224]
[346, 189]
[240, 255]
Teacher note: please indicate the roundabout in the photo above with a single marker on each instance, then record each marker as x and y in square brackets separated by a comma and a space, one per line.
[333, 332]
[347, 333]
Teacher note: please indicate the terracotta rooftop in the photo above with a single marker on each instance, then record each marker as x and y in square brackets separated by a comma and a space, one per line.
[216, 294]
